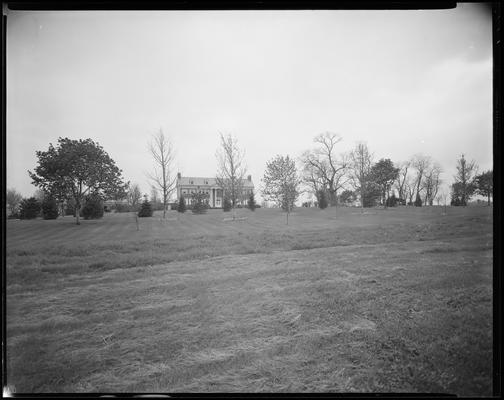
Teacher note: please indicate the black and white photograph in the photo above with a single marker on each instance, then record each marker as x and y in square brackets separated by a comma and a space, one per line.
[267, 201]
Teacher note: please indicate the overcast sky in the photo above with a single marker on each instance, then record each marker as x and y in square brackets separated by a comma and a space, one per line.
[405, 82]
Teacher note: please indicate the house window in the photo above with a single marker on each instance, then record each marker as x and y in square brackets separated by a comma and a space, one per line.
[191, 182]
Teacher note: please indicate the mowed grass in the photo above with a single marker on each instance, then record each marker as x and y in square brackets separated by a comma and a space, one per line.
[396, 300]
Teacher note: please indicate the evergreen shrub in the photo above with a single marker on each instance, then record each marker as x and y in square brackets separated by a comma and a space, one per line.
[181, 208]
[226, 206]
[29, 208]
[145, 209]
[199, 203]
[251, 202]
[93, 207]
[49, 208]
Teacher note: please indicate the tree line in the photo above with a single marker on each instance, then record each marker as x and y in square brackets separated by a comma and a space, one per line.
[76, 176]
[344, 178]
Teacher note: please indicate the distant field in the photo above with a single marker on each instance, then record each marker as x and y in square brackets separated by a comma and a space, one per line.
[396, 300]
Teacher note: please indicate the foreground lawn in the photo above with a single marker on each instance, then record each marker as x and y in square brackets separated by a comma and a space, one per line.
[395, 300]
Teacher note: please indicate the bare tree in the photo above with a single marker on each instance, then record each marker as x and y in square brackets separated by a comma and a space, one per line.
[311, 177]
[431, 183]
[361, 163]
[409, 189]
[162, 152]
[154, 198]
[134, 195]
[402, 179]
[231, 169]
[13, 200]
[323, 169]
[421, 163]
[442, 196]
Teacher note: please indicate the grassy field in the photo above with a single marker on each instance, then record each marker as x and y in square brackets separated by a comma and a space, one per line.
[396, 300]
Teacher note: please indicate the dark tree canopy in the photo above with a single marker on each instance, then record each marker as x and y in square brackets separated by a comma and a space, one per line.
[322, 199]
[145, 209]
[251, 202]
[49, 208]
[484, 184]
[347, 196]
[29, 208]
[384, 174]
[76, 168]
[182, 207]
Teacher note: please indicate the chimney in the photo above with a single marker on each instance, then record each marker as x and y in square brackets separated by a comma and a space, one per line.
[249, 178]
[179, 176]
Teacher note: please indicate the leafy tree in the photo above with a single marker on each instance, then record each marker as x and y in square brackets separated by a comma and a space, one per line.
[347, 196]
[70, 207]
[323, 168]
[14, 198]
[181, 208]
[93, 207]
[464, 180]
[49, 208]
[76, 168]
[322, 199]
[371, 195]
[383, 174]
[281, 183]
[484, 184]
[145, 209]
[199, 201]
[29, 208]
[251, 202]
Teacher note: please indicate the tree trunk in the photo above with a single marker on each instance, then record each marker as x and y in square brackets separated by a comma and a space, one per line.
[488, 198]
[77, 212]
[333, 201]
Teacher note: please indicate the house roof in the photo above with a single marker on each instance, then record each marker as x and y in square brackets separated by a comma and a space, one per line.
[199, 181]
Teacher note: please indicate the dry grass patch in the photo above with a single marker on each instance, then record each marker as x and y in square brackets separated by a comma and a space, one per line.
[362, 308]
